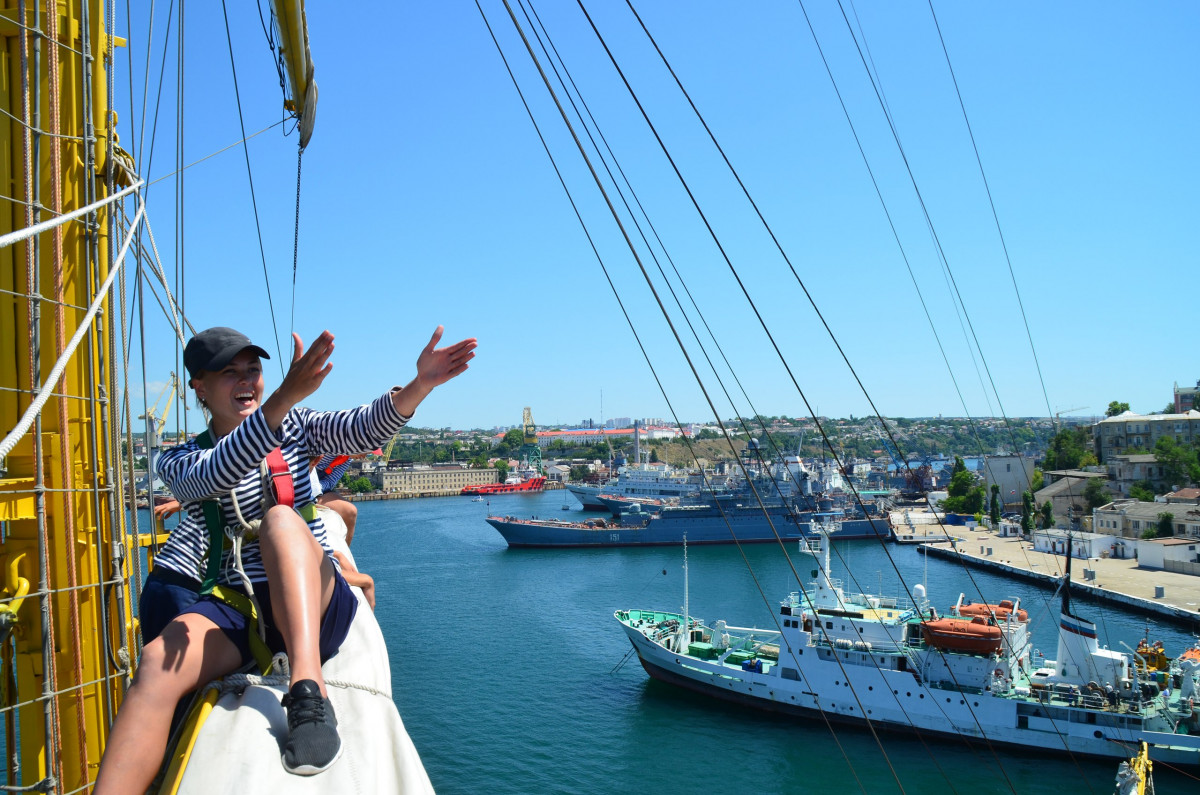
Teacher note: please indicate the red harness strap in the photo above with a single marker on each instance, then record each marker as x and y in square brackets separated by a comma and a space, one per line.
[281, 479]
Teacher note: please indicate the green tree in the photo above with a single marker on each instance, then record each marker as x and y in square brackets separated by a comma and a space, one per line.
[964, 494]
[1166, 524]
[1067, 448]
[1116, 408]
[360, 486]
[1047, 515]
[579, 472]
[1142, 490]
[502, 468]
[1027, 512]
[510, 444]
[1095, 493]
[1037, 481]
[1179, 462]
[994, 511]
[654, 455]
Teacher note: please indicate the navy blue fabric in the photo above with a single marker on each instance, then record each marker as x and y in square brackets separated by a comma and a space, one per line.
[335, 625]
[164, 596]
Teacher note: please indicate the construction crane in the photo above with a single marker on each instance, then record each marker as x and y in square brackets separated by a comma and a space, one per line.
[530, 452]
[387, 450]
[1060, 412]
[157, 420]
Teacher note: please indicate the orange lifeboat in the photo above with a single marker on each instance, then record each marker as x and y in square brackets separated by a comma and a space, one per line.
[983, 610]
[974, 635]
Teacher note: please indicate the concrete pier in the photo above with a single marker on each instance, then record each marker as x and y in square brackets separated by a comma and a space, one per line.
[1172, 596]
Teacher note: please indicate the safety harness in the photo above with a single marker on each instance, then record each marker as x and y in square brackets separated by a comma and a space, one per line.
[278, 474]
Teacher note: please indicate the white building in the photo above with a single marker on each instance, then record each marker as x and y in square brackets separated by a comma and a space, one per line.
[1083, 545]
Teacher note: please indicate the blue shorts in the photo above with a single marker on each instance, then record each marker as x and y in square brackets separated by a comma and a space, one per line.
[334, 626]
[165, 595]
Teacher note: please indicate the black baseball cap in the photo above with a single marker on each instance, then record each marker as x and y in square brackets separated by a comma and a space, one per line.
[215, 347]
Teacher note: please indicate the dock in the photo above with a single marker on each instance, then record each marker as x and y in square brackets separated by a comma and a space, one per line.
[1168, 595]
[372, 496]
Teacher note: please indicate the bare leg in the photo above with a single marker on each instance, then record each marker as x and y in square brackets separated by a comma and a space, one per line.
[344, 508]
[301, 579]
[190, 652]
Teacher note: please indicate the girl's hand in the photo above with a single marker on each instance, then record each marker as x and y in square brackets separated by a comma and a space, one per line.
[436, 366]
[304, 377]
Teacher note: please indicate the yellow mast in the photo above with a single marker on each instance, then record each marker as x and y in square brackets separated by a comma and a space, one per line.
[68, 644]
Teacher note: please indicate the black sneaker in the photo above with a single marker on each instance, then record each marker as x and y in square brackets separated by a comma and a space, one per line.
[313, 743]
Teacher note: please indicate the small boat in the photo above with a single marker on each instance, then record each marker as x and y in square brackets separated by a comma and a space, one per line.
[997, 612]
[973, 635]
[477, 498]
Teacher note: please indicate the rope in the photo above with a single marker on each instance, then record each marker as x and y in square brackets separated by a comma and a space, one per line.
[45, 226]
[26, 421]
[253, 201]
[64, 433]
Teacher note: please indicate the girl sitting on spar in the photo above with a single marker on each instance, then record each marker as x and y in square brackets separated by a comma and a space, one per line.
[303, 602]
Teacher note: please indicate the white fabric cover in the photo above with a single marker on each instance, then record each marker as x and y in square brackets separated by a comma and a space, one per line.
[239, 747]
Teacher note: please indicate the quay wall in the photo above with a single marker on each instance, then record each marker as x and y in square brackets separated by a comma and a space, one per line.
[372, 496]
[1180, 616]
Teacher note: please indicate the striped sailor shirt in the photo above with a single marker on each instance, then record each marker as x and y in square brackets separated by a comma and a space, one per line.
[232, 466]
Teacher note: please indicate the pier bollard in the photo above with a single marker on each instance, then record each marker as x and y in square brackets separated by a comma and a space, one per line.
[1159, 591]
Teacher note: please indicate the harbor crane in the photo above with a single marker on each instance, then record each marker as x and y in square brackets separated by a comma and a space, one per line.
[530, 451]
[159, 420]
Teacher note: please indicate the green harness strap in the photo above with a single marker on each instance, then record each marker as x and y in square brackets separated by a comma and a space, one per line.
[216, 529]
[216, 546]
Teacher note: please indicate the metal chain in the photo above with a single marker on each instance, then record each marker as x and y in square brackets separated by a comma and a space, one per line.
[296, 238]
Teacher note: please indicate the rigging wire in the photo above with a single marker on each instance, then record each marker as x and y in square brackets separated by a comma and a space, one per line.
[253, 201]
[222, 150]
[992, 204]
[816, 420]
[638, 226]
[929, 222]
[658, 300]
[180, 249]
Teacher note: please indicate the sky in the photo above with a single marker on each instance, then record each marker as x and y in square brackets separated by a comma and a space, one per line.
[427, 198]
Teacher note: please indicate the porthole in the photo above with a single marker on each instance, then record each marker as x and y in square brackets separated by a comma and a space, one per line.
[922, 695]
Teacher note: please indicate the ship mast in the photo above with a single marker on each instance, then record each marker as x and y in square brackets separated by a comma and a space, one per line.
[687, 621]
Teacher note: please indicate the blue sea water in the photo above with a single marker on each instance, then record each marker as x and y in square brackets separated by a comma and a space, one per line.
[511, 673]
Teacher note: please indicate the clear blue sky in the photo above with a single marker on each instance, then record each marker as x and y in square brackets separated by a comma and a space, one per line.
[427, 199]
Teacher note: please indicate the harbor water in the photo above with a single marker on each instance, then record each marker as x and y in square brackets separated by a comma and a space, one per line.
[512, 676]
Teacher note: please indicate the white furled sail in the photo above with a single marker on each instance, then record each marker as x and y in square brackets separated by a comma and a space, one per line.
[239, 744]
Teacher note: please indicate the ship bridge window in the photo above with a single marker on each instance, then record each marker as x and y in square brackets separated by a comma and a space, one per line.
[828, 625]
[790, 673]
